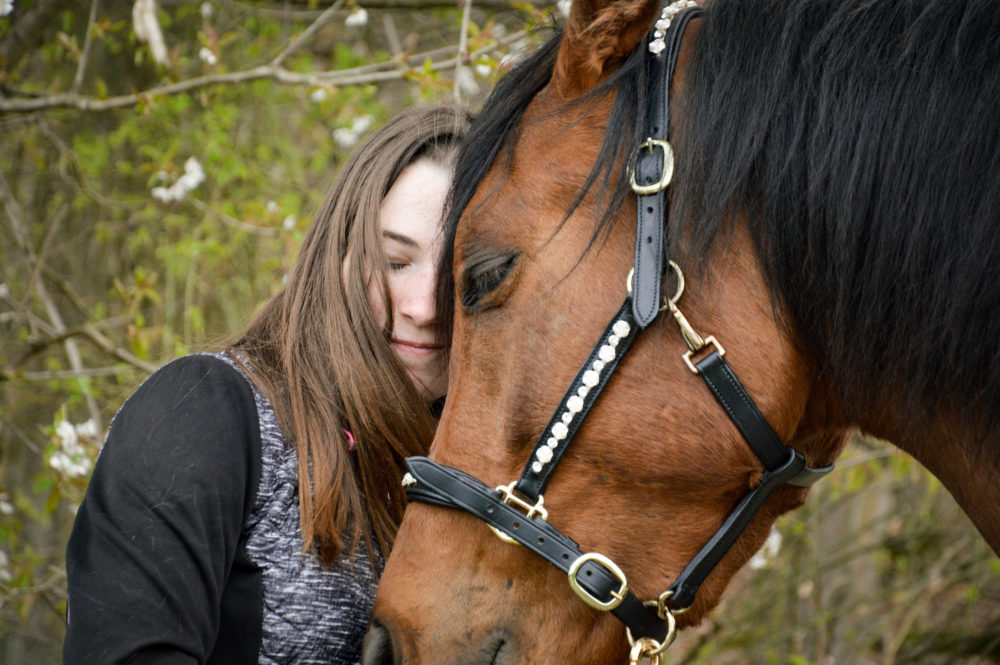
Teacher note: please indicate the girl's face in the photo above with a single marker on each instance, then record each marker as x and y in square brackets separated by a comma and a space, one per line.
[411, 238]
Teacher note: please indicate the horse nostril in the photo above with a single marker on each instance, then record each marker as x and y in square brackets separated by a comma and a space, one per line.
[377, 648]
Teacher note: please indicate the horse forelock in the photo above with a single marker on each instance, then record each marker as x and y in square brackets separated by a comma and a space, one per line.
[495, 129]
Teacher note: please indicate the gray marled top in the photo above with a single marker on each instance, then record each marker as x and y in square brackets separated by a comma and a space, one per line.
[311, 614]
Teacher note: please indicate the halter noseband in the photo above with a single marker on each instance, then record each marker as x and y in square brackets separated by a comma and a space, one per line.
[516, 512]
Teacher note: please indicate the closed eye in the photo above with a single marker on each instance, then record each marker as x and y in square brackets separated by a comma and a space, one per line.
[481, 278]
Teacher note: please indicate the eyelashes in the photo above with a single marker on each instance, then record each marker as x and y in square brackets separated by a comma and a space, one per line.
[483, 278]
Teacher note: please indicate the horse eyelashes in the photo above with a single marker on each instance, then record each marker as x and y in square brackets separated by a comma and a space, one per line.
[481, 279]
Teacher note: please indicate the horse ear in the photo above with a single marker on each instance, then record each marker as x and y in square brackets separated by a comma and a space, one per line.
[599, 35]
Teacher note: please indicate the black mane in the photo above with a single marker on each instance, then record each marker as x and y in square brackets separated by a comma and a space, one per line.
[860, 141]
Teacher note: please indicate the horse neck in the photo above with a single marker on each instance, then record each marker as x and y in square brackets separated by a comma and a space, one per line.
[965, 459]
[967, 465]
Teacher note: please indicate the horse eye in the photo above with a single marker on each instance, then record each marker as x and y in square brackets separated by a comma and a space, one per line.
[482, 278]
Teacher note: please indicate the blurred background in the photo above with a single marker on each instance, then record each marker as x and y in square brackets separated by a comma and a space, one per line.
[159, 165]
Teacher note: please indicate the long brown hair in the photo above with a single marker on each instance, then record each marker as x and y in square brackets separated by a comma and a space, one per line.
[317, 350]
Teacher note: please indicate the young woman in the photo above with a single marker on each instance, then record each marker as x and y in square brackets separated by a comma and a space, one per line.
[242, 504]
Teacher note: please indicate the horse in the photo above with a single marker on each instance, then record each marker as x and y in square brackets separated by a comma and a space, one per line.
[833, 222]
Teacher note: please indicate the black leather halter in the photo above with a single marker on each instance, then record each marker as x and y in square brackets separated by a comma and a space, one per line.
[516, 512]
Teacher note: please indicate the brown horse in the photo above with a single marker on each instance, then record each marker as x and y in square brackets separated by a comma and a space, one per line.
[837, 211]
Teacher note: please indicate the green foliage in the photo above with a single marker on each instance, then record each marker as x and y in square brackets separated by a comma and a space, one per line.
[142, 279]
[871, 568]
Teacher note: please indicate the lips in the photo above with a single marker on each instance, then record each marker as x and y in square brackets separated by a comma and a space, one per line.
[415, 348]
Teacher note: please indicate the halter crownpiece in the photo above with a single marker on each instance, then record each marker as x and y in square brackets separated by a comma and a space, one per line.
[657, 44]
[652, 165]
[515, 511]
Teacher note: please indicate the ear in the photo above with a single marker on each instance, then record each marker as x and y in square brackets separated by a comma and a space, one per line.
[599, 35]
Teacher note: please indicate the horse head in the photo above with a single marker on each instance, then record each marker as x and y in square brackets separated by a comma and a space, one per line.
[542, 239]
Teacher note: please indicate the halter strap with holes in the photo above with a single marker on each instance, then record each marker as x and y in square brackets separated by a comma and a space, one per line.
[516, 512]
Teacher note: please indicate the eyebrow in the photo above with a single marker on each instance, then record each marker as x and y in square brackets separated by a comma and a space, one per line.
[400, 238]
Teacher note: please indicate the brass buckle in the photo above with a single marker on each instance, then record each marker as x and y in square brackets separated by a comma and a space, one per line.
[616, 596]
[708, 341]
[644, 648]
[530, 510]
[647, 647]
[666, 170]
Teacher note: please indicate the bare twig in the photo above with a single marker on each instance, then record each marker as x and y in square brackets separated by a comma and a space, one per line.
[391, 36]
[70, 374]
[28, 316]
[306, 34]
[232, 221]
[55, 318]
[40, 259]
[90, 333]
[461, 57]
[26, 32]
[381, 72]
[291, 14]
[77, 170]
[81, 67]
[8, 425]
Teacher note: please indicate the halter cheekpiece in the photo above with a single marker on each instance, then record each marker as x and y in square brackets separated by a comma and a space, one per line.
[516, 512]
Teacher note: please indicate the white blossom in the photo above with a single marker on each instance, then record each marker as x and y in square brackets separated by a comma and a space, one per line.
[207, 10]
[67, 434]
[6, 507]
[5, 574]
[357, 18]
[484, 70]
[346, 137]
[164, 194]
[71, 459]
[318, 95]
[768, 550]
[466, 81]
[207, 56]
[6, 7]
[272, 207]
[4, 289]
[518, 52]
[289, 223]
[193, 176]
[362, 124]
[88, 429]
[147, 29]
[564, 6]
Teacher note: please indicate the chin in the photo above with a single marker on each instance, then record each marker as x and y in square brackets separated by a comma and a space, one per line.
[430, 388]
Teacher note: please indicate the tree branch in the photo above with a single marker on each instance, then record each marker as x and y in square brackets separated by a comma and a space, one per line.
[81, 67]
[90, 333]
[26, 32]
[287, 14]
[381, 72]
[55, 318]
[302, 37]
[66, 374]
[231, 221]
[461, 57]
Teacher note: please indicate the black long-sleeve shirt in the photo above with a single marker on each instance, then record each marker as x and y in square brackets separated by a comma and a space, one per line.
[187, 547]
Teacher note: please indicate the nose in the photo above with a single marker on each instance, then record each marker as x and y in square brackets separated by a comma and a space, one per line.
[418, 303]
[377, 648]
